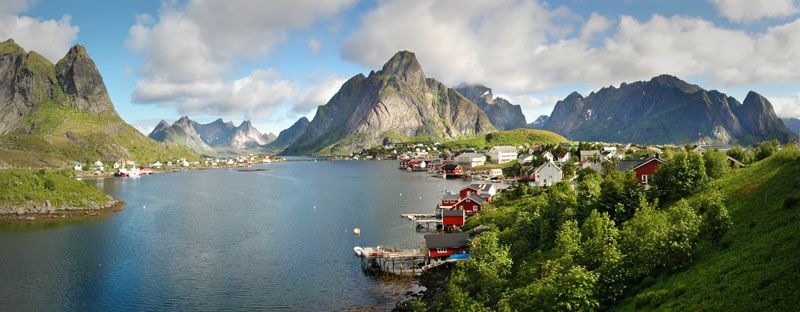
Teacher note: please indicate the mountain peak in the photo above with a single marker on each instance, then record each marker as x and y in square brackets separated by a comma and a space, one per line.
[672, 81]
[753, 96]
[79, 77]
[246, 124]
[404, 64]
[11, 47]
[77, 51]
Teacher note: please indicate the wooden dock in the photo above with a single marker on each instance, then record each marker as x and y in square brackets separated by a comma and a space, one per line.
[423, 220]
[396, 261]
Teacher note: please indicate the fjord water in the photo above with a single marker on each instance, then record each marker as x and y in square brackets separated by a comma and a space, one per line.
[279, 239]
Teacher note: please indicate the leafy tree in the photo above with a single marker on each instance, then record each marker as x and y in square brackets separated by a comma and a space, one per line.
[679, 176]
[766, 149]
[620, 194]
[484, 276]
[560, 288]
[740, 154]
[716, 164]
[600, 253]
[588, 194]
[716, 220]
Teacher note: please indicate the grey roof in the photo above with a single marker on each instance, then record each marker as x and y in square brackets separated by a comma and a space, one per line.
[451, 196]
[476, 198]
[628, 164]
[446, 240]
[483, 187]
[449, 166]
[452, 213]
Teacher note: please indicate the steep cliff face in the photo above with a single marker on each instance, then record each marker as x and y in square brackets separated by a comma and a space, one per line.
[539, 123]
[246, 136]
[396, 101]
[665, 110]
[52, 115]
[502, 114]
[793, 124]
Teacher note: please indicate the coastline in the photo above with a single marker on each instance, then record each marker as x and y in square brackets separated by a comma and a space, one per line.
[45, 213]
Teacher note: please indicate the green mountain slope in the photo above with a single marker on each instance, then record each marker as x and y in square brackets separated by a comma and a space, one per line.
[510, 137]
[53, 115]
[757, 266]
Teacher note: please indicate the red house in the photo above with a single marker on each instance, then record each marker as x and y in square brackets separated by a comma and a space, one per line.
[453, 218]
[447, 244]
[470, 204]
[449, 200]
[469, 190]
[644, 168]
[452, 170]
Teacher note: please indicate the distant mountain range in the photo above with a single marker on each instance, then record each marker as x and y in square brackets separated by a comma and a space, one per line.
[217, 137]
[397, 102]
[664, 109]
[793, 124]
[52, 115]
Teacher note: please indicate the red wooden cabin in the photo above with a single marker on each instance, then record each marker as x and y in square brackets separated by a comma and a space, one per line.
[447, 244]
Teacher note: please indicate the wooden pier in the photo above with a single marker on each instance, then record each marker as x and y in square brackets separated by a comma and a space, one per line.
[424, 220]
[395, 261]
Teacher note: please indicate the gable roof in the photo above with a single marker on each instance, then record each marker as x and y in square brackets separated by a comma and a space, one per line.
[446, 240]
[738, 163]
[647, 161]
[545, 164]
[450, 167]
[628, 164]
[452, 213]
[483, 187]
[505, 148]
[472, 155]
[451, 197]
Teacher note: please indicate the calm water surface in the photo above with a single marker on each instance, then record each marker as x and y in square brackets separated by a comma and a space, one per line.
[279, 239]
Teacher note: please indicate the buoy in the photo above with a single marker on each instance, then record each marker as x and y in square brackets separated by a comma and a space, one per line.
[357, 231]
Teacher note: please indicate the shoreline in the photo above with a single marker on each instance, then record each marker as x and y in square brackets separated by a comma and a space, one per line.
[64, 214]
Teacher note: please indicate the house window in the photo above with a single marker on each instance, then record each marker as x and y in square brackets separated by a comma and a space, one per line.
[645, 178]
[441, 250]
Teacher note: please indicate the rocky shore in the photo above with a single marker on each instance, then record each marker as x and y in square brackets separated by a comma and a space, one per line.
[33, 212]
[434, 282]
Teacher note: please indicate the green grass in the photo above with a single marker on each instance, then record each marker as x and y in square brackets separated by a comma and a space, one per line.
[21, 187]
[54, 136]
[510, 137]
[757, 267]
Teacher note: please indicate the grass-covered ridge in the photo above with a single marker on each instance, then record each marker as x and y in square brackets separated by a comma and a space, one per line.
[756, 267]
[510, 137]
[35, 187]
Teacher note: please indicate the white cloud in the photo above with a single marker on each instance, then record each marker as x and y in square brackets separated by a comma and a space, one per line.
[524, 47]
[747, 11]
[14, 6]
[51, 38]
[788, 106]
[190, 54]
[317, 95]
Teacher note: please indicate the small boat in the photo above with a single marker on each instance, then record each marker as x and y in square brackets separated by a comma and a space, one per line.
[359, 251]
[357, 231]
[251, 170]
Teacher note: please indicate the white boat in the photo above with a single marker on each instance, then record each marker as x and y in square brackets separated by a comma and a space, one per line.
[359, 251]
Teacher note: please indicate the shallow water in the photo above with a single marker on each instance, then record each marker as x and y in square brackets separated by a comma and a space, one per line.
[280, 239]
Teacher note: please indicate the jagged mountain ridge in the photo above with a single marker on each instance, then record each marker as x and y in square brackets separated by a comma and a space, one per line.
[539, 123]
[665, 109]
[502, 114]
[396, 101]
[289, 135]
[52, 115]
[793, 124]
[210, 138]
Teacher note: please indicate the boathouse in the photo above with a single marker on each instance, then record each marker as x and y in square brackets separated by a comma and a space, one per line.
[447, 244]
[453, 217]
[470, 204]
[452, 170]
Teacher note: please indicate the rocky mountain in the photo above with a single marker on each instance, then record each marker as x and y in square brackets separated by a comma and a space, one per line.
[211, 138]
[502, 114]
[289, 135]
[539, 123]
[55, 114]
[665, 109]
[793, 124]
[396, 101]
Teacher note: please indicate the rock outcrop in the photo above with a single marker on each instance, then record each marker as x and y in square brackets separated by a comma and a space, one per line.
[396, 101]
[665, 110]
[502, 114]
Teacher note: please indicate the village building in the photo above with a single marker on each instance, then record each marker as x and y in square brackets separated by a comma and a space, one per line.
[453, 217]
[447, 244]
[548, 156]
[502, 154]
[471, 204]
[471, 160]
[593, 155]
[495, 173]
[452, 170]
[525, 159]
[644, 168]
[545, 175]
[563, 157]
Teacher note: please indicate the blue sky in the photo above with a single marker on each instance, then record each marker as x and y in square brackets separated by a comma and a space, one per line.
[275, 61]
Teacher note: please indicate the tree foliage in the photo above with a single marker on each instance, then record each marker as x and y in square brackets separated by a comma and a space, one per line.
[680, 175]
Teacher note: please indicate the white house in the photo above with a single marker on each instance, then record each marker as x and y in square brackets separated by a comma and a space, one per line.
[495, 173]
[548, 156]
[502, 154]
[546, 175]
[156, 164]
[471, 160]
[525, 158]
[563, 157]
[78, 167]
[99, 165]
[590, 155]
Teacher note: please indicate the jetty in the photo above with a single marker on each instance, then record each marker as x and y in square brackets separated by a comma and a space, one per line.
[425, 220]
[397, 261]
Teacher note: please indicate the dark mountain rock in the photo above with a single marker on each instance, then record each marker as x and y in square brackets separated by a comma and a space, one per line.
[539, 123]
[502, 114]
[289, 135]
[665, 109]
[81, 81]
[208, 139]
[793, 124]
[397, 101]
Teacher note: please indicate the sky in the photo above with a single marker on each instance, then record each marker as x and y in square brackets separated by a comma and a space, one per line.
[273, 62]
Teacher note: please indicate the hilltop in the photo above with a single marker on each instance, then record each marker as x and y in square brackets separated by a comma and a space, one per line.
[52, 115]
[396, 101]
[665, 110]
[511, 137]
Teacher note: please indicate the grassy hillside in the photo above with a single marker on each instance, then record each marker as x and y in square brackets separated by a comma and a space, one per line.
[757, 266]
[21, 187]
[53, 136]
[511, 137]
